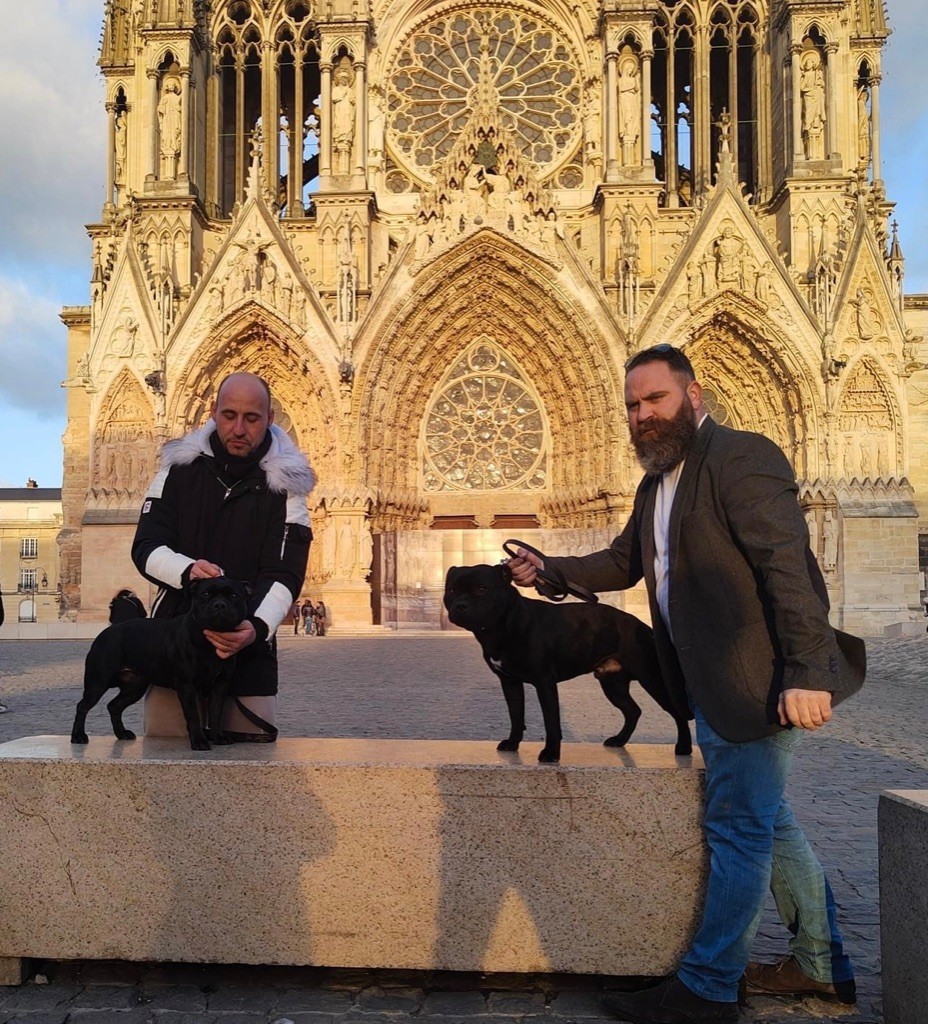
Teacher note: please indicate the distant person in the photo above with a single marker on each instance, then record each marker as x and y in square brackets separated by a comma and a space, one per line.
[308, 613]
[320, 618]
[296, 617]
[126, 605]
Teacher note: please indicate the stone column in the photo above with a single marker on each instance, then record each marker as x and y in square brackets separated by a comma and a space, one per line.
[612, 117]
[183, 164]
[295, 180]
[270, 120]
[213, 133]
[646, 58]
[798, 152]
[109, 204]
[670, 142]
[875, 127]
[701, 128]
[152, 171]
[325, 139]
[831, 104]
[360, 117]
[241, 147]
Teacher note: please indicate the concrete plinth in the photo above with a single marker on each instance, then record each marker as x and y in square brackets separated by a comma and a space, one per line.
[903, 841]
[350, 853]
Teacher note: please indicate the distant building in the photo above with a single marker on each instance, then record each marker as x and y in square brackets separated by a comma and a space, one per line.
[30, 520]
[440, 229]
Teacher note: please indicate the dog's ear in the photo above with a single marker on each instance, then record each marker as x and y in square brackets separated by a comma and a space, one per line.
[505, 572]
[192, 585]
[453, 571]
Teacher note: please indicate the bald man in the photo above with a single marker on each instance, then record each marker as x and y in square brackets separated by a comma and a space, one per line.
[229, 499]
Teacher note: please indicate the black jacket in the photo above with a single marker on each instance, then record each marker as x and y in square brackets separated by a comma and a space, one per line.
[256, 528]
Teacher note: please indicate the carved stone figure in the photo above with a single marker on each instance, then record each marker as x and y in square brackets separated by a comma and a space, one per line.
[762, 284]
[269, 280]
[863, 127]
[343, 108]
[812, 95]
[170, 127]
[829, 542]
[216, 301]
[345, 549]
[474, 187]
[728, 250]
[629, 110]
[286, 295]
[347, 282]
[812, 524]
[868, 322]
[365, 549]
[121, 129]
[123, 341]
[693, 283]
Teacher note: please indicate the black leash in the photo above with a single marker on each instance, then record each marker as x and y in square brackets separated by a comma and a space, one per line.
[551, 576]
[269, 732]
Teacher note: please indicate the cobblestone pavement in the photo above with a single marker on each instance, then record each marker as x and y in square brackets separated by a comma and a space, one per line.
[438, 687]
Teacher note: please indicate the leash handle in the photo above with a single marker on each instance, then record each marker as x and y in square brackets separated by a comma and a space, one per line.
[551, 575]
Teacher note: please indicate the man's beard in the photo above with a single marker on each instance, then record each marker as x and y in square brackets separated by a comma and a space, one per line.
[667, 442]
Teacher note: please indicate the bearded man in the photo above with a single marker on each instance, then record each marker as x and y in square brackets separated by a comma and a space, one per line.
[740, 616]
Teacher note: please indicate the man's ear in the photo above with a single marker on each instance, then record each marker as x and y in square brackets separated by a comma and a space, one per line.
[505, 572]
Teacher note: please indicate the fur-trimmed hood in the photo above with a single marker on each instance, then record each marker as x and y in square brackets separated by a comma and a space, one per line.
[286, 468]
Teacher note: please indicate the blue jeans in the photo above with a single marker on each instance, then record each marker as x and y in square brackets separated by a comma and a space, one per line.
[754, 843]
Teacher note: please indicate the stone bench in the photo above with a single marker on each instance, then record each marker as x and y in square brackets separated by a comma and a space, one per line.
[350, 853]
[903, 842]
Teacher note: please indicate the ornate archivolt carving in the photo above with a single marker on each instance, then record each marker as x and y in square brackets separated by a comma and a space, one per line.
[485, 288]
[870, 448]
[123, 452]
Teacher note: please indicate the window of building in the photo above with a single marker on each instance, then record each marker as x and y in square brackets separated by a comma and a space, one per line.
[27, 579]
[29, 547]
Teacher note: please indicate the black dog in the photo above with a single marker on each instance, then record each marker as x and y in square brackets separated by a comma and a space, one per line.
[526, 641]
[134, 654]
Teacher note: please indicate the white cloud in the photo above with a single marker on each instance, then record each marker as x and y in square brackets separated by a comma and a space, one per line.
[32, 350]
[53, 129]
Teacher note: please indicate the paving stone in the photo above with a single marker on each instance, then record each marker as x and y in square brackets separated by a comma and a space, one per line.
[876, 741]
[454, 1004]
[313, 1000]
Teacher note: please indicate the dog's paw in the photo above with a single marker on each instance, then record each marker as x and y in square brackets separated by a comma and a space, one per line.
[79, 737]
[125, 734]
[220, 739]
[200, 743]
[508, 744]
[548, 756]
[683, 749]
[619, 740]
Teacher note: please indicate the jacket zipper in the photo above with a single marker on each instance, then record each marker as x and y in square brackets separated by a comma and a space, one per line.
[283, 543]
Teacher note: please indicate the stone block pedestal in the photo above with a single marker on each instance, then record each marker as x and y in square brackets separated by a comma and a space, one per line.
[350, 853]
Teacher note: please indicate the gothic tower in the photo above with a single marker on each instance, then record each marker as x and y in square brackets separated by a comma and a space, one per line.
[440, 229]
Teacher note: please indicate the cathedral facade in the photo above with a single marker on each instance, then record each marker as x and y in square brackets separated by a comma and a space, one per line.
[439, 228]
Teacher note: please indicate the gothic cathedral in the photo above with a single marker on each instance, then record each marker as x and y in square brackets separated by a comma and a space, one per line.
[439, 228]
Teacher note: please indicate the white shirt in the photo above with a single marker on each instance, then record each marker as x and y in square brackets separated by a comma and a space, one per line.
[663, 504]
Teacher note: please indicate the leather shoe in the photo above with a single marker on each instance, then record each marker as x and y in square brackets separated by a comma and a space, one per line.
[670, 1002]
[786, 978]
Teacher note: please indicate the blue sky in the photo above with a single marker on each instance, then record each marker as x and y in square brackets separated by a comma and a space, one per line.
[53, 128]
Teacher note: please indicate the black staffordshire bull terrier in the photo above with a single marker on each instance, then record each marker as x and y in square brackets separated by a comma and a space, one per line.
[526, 641]
[167, 652]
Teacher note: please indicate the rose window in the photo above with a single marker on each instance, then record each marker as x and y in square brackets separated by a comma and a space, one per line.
[433, 87]
[484, 429]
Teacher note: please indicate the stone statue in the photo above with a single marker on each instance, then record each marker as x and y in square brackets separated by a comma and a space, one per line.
[286, 294]
[121, 128]
[629, 110]
[812, 524]
[347, 282]
[366, 549]
[343, 106]
[867, 321]
[829, 542]
[474, 187]
[693, 283]
[216, 301]
[728, 250]
[345, 549]
[123, 343]
[169, 125]
[762, 284]
[863, 127]
[269, 280]
[812, 102]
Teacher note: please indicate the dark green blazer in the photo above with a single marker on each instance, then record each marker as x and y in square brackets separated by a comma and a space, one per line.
[747, 602]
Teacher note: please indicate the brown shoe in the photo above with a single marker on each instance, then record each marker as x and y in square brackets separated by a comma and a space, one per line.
[786, 978]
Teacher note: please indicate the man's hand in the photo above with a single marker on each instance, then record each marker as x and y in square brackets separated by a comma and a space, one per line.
[203, 570]
[805, 709]
[523, 567]
[227, 644]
